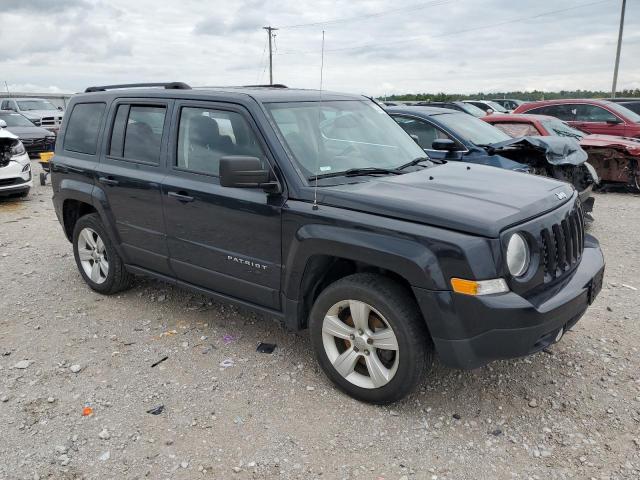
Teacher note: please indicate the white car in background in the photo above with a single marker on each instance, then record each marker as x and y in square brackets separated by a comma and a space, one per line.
[15, 167]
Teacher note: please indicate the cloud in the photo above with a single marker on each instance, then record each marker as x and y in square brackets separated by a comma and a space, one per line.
[449, 45]
[40, 6]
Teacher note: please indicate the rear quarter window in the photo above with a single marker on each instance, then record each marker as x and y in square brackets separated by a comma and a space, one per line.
[83, 128]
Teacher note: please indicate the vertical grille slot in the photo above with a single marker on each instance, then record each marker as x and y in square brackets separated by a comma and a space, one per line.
[561, 244]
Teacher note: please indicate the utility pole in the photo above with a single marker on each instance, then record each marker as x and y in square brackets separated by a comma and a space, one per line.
[269, 30]
[615, 70]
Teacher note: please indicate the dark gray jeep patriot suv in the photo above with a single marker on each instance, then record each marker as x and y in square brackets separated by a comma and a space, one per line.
[318, 209]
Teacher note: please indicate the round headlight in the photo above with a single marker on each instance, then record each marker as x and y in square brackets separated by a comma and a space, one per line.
[517, 255]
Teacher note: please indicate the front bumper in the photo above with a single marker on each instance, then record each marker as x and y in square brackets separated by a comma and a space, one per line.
[469, 332]
[16, 176]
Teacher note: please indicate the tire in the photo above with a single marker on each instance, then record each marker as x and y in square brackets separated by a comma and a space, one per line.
[23, 193]
[391, 307]
[96, 258]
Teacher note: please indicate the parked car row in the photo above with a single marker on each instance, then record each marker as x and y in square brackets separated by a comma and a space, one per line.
[451, 135]
[318, 209]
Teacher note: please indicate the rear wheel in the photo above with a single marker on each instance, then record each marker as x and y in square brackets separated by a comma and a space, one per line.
[96, 258]
[370, 338]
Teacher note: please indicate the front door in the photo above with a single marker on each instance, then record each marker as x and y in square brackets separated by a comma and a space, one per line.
[227, 240]
[130, 174]
[595, 119]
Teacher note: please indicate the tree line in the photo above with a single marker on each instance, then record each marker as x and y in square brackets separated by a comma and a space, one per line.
[519, 95]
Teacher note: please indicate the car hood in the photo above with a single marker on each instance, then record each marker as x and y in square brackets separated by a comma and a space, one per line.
[30, 132]
[475, 199]
[42, 113]
[631, 145]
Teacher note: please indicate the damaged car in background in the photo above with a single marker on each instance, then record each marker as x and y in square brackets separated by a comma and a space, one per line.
[616, 159]
[35, 139]
[449, 135]
[15, 167]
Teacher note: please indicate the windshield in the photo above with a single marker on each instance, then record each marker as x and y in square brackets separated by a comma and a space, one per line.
[560, 129]
[15, 120]
[472, 129]
[336, 136]
[35, 105]
[496, 106]
[472, 109]
[622, 110]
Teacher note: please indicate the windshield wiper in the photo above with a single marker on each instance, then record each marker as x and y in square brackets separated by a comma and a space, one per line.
[488, 147]
[418, 160]
[355, 172]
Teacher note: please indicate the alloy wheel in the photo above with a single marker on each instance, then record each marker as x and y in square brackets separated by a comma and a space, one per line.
[360, 344]
[93, 255]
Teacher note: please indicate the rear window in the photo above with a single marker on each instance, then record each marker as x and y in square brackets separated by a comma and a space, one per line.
[83, 127]
[137, 133]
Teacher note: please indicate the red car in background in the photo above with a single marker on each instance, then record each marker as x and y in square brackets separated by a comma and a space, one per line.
[616, 159]
[593, 116]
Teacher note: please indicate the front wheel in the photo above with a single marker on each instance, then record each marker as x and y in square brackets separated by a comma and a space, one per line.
[370, 338]
[96, 258]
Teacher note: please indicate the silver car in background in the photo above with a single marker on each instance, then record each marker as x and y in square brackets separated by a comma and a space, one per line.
[40, 111]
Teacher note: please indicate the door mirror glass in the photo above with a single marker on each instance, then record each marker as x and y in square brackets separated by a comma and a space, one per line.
[245, 172]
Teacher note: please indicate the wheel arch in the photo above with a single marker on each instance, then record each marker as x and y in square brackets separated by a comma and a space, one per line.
[322, 254]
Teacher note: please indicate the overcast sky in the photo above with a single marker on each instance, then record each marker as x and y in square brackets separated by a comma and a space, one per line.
[374, 47]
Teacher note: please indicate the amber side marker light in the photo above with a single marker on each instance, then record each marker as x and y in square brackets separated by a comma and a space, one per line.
[479, 287]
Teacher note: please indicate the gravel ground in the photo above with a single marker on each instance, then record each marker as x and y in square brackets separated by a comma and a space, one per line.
[570, 412]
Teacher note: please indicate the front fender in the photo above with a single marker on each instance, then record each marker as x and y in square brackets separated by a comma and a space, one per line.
[407, 258]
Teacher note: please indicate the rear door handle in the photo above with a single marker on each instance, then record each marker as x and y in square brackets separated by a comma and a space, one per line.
[108, 181]
[181, 196]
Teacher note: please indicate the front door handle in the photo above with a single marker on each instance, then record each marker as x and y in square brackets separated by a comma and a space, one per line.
[108, 181]
[181, 197]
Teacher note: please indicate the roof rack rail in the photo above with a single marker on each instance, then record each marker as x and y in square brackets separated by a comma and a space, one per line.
[273, 85]
[166, 85]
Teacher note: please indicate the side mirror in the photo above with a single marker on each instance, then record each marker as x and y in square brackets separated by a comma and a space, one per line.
[3, 124]
[445, 144]
[60, 108]
[489, 111]
[617, 121]
[246, 172]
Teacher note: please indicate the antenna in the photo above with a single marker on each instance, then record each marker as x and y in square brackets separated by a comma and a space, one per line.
[315, 188]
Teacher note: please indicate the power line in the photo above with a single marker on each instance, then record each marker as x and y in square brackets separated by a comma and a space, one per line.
[457, 32]
[262, 61]
[416, 6]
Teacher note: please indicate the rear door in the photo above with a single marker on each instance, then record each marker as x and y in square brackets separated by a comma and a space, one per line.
[223, 239]
[129, 176]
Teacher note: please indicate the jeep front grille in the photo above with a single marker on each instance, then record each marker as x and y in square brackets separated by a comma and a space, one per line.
[562, 244]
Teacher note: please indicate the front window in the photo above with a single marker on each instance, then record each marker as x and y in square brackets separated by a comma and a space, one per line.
[561, 129]
[336, 136]
[624, 111]
[15, 120]
[26, 105]
[472, 129]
